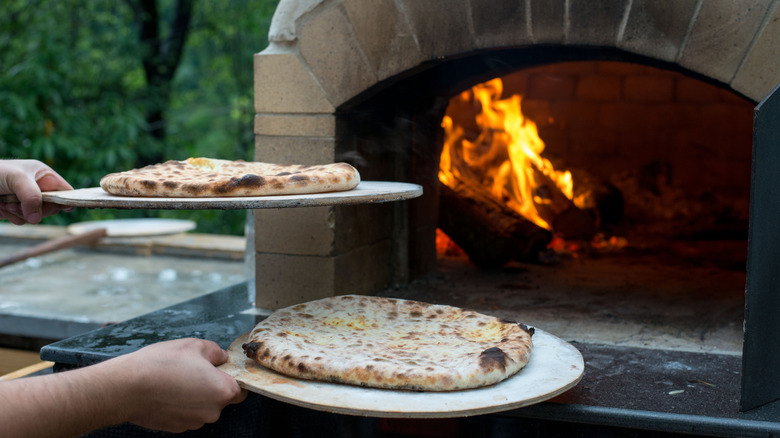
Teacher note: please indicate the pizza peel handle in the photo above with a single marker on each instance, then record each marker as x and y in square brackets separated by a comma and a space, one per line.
[57, 244]
[8, 199]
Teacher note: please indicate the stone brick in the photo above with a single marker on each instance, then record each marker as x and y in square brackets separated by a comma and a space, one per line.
[725, 117]
[299, 150]
[693, 90]
[657, 29]
[649, 88]
[589, 142]
[313, 231]
[366, 270]
[363, 225]
[595, 25]
[721, 36]
[387, 42]
[441, 28]
[730, 96]
[296, 231]
[284, 85]
[622, 68]
[539, 111]
[500, 24]
[599, 88]
[335, 58]
[575, 114]
[760, 71]
[550, 86]
[284, 280]
[572, 68]
[298, 125]
[547, 21]
[631, 117]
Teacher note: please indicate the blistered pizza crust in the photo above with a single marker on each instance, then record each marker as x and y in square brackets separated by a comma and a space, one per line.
[390, 343]
[207, 177]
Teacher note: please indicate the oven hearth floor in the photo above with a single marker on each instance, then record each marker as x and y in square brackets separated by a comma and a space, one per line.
[685, 296]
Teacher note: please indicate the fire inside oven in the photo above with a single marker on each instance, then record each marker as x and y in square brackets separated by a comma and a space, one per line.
[594, 183]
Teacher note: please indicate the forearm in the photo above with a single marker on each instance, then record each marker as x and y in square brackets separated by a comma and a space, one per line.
[63, 405]
[172, 386]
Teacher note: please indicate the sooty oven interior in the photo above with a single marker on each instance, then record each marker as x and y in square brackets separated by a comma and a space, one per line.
[651, 109]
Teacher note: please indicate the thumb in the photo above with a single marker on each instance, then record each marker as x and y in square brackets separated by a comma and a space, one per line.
[214, 353]
[26, 189]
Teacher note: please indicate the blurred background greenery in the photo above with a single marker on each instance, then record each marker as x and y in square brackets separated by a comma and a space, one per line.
[93, 87]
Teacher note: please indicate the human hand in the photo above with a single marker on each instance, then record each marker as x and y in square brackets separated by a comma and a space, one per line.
[27, 179]
[174, 386]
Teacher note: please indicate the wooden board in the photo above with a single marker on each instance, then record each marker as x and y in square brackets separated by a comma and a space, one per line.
[135, 227]
[555, 367]
[366, 192]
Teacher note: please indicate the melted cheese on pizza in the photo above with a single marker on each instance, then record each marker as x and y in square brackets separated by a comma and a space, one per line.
[390, 343]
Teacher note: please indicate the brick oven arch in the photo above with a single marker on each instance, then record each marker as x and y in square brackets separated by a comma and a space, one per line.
[327, 58]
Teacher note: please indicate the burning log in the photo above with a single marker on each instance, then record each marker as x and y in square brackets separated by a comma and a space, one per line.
[491, 233]
[565, 218]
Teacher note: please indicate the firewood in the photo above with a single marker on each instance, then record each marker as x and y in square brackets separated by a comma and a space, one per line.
[560, 212]
[490, 233]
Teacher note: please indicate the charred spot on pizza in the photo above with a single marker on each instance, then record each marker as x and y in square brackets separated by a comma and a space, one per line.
[299, 179]
[493, 358]
[525, 328]
[195, 189]
[251, 348]
[248, 181]
[170, 184]
[148, 184]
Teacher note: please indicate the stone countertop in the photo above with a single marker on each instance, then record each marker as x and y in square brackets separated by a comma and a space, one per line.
[622, 386]
[68, 292]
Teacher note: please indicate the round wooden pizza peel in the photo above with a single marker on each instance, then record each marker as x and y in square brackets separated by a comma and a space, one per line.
[87, 233]
[365, 193]
[555, 367]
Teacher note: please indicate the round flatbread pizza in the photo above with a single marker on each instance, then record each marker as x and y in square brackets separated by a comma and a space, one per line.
[390, 343]
[209, 177]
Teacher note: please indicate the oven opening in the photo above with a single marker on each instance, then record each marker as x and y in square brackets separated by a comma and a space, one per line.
[569, 192]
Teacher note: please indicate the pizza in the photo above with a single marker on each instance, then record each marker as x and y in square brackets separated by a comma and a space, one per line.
[209, 177]
[390, 343]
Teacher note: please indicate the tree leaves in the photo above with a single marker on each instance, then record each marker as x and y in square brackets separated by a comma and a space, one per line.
[74, 93]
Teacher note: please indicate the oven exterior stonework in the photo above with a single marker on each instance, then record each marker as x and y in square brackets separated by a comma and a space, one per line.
[325, 55]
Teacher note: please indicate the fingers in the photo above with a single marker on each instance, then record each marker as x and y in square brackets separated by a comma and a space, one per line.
[213, 352]
[48, 181]
[217, 356]
[12, 212]
[241, 396]
[27, 179]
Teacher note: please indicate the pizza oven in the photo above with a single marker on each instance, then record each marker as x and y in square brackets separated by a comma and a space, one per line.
[649, 107]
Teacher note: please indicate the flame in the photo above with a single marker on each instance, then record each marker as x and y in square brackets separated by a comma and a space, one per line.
[506, 155]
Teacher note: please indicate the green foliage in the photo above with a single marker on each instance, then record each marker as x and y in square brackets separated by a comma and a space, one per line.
[73, 92]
